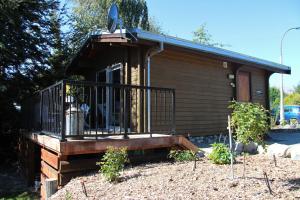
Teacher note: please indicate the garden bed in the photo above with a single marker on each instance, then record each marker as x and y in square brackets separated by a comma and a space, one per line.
[179, 181]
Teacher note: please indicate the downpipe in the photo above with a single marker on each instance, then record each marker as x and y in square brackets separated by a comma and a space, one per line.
[150, 54]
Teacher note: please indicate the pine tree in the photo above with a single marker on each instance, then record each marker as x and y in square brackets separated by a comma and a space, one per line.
[26, 42]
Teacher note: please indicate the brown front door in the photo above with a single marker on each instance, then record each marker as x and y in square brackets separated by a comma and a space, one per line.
[243, 86]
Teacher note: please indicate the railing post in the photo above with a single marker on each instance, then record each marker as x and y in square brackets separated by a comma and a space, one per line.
[174, 113]
[125, 114]
[41, 111]
[63, 107]
[149, 111]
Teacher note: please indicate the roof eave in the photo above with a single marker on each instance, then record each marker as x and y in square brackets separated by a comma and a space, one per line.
[225, 54]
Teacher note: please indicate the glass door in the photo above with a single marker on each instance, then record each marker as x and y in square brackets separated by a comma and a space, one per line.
[110, 108]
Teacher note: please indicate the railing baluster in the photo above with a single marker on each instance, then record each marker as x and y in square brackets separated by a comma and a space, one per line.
[165, 109]
[130, 110]
[41, 111]
[114, 109]
[63, 116]
[96, 109]
[90, 110]
[126, 114]
[102, 110]
[173, 110]
[136, 108]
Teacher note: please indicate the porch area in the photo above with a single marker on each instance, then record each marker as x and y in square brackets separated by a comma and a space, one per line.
[71, 110]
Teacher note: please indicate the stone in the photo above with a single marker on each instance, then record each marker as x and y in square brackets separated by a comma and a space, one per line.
[251, 148]
[295, 152]
[288, 152]
[207, 151]
[260, 149]
[200, 154]
[279, 150]
[233, 184]
[238, 147]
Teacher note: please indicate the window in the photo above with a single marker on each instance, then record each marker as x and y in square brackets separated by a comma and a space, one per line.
[244, 89]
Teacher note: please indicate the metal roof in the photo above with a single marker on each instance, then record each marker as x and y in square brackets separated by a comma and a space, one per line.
[141, 34]
[174, 41]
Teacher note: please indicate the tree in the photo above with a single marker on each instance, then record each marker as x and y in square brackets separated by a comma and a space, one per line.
[59, 56]
[91, 15]
[202, 36]
[292, 99]
[297, 89]
[274, 95]
[154, 26]
[250, 124]
[25, 47]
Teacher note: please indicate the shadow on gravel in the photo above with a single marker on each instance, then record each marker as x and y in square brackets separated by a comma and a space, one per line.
[294, 184]
[13, 185]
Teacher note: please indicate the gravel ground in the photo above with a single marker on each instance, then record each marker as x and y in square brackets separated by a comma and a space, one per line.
[179, 181]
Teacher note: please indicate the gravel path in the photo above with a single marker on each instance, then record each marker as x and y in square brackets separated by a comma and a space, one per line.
[208, 181]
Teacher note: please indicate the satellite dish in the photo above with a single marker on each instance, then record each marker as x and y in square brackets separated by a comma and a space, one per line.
[113, 21]
[112, 18]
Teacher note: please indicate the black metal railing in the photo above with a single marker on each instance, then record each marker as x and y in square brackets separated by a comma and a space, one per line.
[89, 109]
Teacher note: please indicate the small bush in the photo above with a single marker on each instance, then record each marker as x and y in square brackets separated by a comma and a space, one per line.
[294, 122]
[220, 154]
[68, 195]
[249, 121]
[182, 155]
[113, 163]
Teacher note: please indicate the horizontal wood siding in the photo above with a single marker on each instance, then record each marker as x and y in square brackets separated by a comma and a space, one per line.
[203, 90]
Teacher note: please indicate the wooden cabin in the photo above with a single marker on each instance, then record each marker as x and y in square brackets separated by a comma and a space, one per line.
[205, 78]
[142, 90]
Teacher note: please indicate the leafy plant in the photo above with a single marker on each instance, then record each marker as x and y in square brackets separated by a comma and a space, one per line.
[68, 196]
[113, 163]
[220, 154]
[294, 122]
[249, 121]
[182, 155]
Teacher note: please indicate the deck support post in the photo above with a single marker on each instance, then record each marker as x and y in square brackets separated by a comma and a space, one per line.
[51, 187]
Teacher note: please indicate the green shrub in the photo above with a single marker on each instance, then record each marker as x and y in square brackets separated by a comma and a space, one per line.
[68, 195]
[113, 163]
[182, 155]
[249, 121]
[220, 154]
[294, 122]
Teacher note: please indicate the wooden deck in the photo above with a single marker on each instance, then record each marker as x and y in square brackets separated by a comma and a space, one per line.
[66, 160]
[89, 146]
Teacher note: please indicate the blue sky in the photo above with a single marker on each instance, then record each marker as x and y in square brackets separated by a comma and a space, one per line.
[252, 27]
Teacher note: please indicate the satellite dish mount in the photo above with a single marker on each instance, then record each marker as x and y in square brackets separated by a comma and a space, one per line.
[113, 20]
